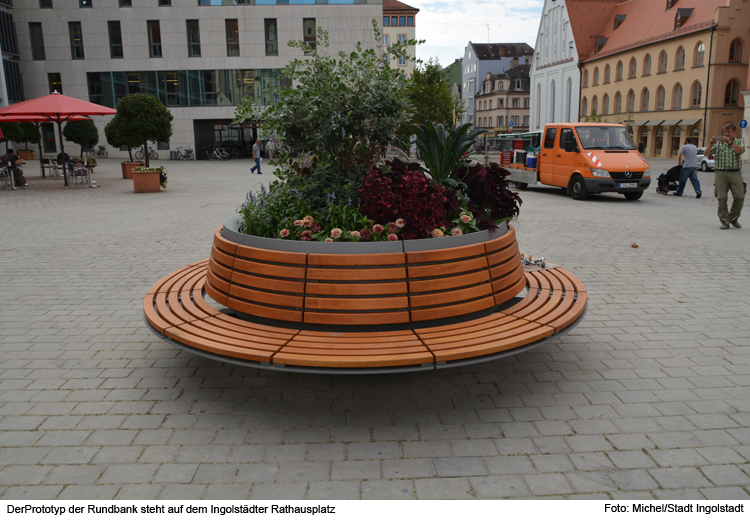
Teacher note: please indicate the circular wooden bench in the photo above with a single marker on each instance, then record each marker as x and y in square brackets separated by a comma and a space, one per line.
[306, 289]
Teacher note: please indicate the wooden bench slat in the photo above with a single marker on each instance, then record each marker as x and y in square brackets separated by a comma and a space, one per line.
[572, 314]
[363, 289]
[255, 327]
[511, 291]
[509, 331]
[494, 346]
[439, 255]
[269, 270]
[316, 334]
[550, 300]
[448, 283]
[453, 296]
[505, 268]
[341, 318]
[489, 321]
[217, 283]
[216, 325]
[220, 270]
[374, 259]
[502, 241]
[200, 302]
[441, 270]
[383, 340]
[270, 256]
[531, 297]
[509, 253]
[356, 275]
[577, 284]
[258, 296]
[353, 350]
[330, 345]
[152, 316]
[222, 258]
[259, 310]
[510, 279]
[356, 303]
[224, 244]
[453, 310]
[372, 361]
[205, 330]
[474, 332]
[248, 353]
[266, 283]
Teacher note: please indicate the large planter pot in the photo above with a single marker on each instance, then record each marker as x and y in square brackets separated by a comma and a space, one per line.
[127, 169]
[364, 283]
[26, 154]
[146, 182]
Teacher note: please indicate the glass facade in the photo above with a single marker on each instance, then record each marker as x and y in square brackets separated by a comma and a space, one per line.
[188, 87]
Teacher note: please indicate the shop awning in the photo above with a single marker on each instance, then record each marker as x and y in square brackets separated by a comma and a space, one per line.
[640, 123]
[689, 122]
[654, 122]
[671, 122]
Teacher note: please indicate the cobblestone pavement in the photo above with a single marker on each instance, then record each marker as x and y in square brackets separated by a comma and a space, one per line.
[648, 398]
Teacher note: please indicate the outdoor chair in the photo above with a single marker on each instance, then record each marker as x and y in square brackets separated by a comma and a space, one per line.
[7, 175]
[51, 165]
[78, 174]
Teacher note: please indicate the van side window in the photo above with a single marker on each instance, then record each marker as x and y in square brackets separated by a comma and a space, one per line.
[566, 134]
[549, 138]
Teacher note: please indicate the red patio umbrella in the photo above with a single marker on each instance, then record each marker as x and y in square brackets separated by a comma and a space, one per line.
[36, 121]
[56, 107]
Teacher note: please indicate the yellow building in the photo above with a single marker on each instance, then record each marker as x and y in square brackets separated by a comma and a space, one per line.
[667, 69]
[399, 24]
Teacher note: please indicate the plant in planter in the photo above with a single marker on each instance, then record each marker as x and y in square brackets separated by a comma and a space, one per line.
[140, 118]
[82, 133]
[149, 179]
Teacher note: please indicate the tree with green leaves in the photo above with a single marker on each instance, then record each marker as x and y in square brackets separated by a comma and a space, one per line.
[117, 136]
[30, 134]
[430, 95]
[595, 117]
[11, 132]
[83, 133]
[443, 148]
[141, 118]
[342, 110]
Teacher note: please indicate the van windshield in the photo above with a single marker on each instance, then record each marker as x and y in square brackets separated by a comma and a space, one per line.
[604, 137]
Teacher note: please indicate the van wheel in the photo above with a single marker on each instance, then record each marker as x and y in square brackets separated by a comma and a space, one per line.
[577, 188]
[520, 185]
[634, 196]
[704, 167]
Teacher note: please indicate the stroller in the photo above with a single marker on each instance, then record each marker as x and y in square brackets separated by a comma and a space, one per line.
[668, 181]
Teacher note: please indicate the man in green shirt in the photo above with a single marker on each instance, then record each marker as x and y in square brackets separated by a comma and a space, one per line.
[728, 167]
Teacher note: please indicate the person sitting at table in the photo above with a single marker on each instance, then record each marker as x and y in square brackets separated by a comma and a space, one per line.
[11, 160]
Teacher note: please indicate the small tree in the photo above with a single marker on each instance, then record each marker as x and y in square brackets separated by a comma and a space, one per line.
[430, 95]
[83, 133]
[11, 132]
[30, 134]
[595, 117]
[116, 137]
[141, 118]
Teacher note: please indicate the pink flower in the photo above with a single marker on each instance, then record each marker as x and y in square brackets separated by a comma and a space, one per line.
[284, 233]
[437, 233]
[392, 237]
[308, 219]
[298, 222]
[466, 218]
[329, 239]
[306, 233]
[400, 223]
[377, 228]
[456, 231]
[354, 234]
[336, 232]
[392, 228]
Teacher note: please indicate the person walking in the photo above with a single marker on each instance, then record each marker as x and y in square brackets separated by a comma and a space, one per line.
[688, 158]
[256, 156]
[728, 169]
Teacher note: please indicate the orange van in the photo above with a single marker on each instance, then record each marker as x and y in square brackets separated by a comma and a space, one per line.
[585, 159]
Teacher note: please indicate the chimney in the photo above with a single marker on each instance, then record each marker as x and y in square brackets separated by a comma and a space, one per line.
[514, 62]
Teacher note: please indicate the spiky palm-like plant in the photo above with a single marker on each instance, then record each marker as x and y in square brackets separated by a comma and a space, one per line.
[442, 149]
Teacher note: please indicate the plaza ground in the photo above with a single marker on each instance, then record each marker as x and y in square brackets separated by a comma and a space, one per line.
[649, 397]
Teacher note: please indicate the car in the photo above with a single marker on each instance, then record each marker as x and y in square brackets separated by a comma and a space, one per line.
[706, 163]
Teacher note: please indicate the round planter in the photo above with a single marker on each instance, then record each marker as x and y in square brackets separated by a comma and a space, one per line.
[127, 169]
[146, 182]
[364, 283]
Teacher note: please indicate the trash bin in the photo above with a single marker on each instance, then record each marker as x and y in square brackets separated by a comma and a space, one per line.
[172, 155]
[531, 161]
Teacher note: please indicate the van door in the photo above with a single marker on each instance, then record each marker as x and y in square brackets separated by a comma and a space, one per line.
[565, 161]
[547, 157]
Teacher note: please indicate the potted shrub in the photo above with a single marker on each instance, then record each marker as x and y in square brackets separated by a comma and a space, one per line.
[82, 133]
[149, 179]
[118, 138]
[140, 118]
[26, 154]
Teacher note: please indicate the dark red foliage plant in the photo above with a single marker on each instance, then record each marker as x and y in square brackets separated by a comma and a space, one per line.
[404, 192]
[489, 193]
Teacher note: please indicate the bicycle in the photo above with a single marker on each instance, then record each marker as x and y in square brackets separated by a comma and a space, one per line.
[91, 153]
[187, 154]
[219, 154]
[152, 154]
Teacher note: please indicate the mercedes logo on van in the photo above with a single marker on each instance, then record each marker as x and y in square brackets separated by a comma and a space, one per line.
[628, 174]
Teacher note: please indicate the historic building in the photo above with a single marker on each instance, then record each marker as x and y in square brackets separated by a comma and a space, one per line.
[503, 99]
[667, 69]
[555, 77]
[200, 57]
[399, 24]
[481, 59]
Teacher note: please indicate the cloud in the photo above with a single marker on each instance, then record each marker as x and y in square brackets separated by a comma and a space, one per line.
[447, 27]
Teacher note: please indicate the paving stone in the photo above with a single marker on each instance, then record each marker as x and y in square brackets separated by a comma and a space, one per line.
[333, 491]
[175, 473]
[227, 492]
[634, 479]
[355, 470]
[549, 484]
[373, 450]
[405, 469]
[551, 463]
[304, 471]
[679, 478]
[591, 481]
[725, 475]
[388, 490]
[139, 492]
[509, 465]
[182, 492]
[128, 474]
[631, 459]
[676, 457]
[14, 475]
[257, 473]
[32, 492]
[498, 487]
[443, 489]
[718, 494]
[459, 467]
[276, 492]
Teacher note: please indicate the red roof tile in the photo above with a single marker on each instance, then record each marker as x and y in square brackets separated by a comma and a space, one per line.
[395, 5]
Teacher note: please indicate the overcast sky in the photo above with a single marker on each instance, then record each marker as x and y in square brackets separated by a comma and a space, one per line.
[448, 26]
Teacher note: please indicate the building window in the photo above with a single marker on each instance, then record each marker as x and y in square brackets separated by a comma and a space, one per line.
[154, 38]
[165, 3]
[210, 92]
[660, 97]
[631, 101]
[410, 21]
[394, 21]
[134, 83]
[677, 99]
[586, 79]
[386, 21]
[55, 82]
[606, 73]
[499, 103]
[697, 89]
[527, 103]
[618, 74]
[45, 4]
[37, 41]
[489, 122]
[272, 37]
[731, 96]
[193, 38]
[633, 68]
[402, 21]
[386, 43]
[514, 120]
[172, 88]
[647, 65]
[402, 58]
[500, 121]
[662, 62]
[309, 30]
[645, 100]
[594, 105]
[596, 77]
[605, 104]
[735, 51]
[618, 103]
[680, 59]
[585, 107]
[115, 40]
[233, 38]
[526, 121]
[126, 3]
[76, 40]
[700, 52]
[84, 3]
